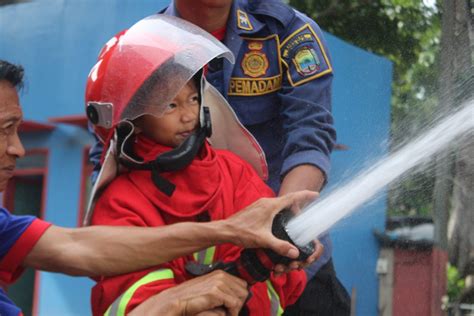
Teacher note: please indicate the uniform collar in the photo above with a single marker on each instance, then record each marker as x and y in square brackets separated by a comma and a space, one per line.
[273, 8]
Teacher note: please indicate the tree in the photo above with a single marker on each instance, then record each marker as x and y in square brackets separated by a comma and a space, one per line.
[457, 86]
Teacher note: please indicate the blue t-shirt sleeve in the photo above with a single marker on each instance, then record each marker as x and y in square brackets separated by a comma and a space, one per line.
[7, 307]
[11, 228]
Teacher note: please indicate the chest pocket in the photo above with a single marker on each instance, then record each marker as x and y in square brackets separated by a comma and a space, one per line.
[256, 79]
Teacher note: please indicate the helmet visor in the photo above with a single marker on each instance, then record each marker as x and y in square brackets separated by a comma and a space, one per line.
[154, 59]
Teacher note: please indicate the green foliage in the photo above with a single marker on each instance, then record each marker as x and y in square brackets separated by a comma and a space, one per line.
[408, 33]
[395, 29]
[456, 284]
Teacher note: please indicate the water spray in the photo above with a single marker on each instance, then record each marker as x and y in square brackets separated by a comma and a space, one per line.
[321, 215]
[255, 265]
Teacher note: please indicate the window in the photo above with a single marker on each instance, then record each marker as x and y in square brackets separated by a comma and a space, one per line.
[25, 196]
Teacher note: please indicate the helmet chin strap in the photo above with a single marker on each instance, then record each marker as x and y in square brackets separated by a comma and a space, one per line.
[173, 160]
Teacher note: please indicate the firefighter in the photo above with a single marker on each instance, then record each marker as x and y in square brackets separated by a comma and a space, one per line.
[149, 102]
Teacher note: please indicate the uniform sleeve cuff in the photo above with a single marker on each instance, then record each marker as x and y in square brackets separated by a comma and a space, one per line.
[11, 265]
[309, 157]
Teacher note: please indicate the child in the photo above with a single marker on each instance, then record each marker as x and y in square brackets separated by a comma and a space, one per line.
[148, 89]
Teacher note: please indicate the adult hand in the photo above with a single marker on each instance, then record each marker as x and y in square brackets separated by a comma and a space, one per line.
[252, 227]
[216, 293]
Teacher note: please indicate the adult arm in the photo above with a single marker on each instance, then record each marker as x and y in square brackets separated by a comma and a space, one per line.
[100, 250]
[306, 107]
[302, 177]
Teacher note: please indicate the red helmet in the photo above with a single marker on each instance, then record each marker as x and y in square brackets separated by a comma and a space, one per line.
[160, 49]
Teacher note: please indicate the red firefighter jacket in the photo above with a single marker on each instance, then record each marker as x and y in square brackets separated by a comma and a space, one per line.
[216, 183]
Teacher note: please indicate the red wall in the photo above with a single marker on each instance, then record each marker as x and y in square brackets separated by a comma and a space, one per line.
[419, 282]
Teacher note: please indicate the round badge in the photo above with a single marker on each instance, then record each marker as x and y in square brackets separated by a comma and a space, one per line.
[254, 64]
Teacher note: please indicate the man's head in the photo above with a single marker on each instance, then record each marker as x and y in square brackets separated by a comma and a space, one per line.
[210, 15]
[180, 119]
[11, 80]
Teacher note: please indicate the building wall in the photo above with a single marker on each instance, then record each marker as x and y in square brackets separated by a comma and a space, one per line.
[58, 40]
[361, 107]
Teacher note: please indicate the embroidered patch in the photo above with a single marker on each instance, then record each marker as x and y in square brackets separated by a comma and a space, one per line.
[249, 86]
[255, 62]
[294, 42]
[306, 61]
[243, 21]
[304, 56]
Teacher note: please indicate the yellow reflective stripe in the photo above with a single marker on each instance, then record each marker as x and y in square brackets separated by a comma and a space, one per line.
[209, 257]
[119, 307]
[277, 310]
[205, 256]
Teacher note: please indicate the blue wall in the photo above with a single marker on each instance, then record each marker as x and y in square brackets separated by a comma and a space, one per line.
[361, 107]
[58, 40]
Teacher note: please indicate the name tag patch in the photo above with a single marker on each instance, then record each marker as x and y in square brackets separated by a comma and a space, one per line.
[248, 86]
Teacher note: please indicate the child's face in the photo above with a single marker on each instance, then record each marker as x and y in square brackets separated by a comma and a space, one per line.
[179, 120]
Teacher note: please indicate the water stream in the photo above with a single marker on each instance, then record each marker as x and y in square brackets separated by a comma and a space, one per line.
[322, 214]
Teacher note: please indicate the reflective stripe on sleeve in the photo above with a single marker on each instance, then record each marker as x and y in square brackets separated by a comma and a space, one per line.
[276, 309]
[119, 306]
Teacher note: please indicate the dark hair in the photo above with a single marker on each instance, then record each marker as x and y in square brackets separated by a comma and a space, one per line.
[12, 73]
